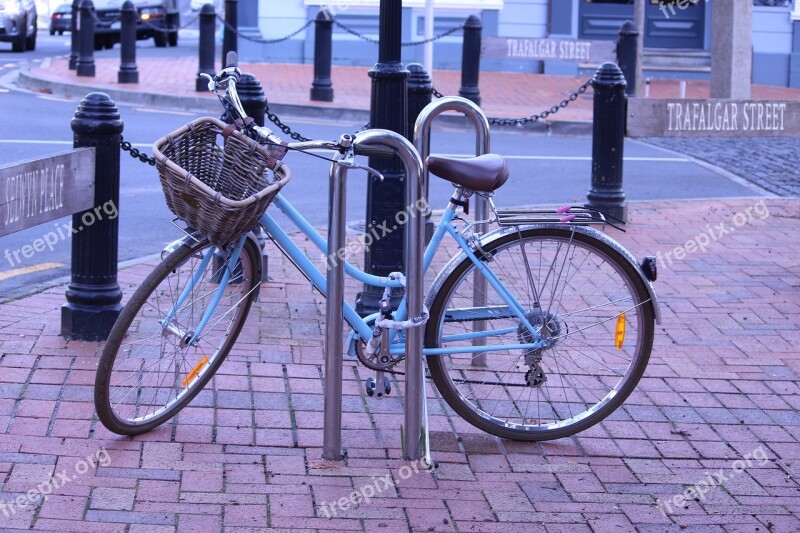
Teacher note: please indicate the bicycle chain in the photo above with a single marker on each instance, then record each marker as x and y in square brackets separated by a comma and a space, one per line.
[136, 153]
[283, 127]
[534, 118]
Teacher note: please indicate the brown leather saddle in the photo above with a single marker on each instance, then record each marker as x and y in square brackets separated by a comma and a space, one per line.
[484, 173]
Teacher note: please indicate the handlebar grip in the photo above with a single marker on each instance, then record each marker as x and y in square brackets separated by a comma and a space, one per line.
[374, 150]
[232, 59]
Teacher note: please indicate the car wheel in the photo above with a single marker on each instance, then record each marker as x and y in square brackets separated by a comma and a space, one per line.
[30, 42]
[160, 39]
[53, 32]
[61, 32]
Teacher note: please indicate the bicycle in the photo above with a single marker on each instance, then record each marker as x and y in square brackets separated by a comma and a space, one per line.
[555, 343]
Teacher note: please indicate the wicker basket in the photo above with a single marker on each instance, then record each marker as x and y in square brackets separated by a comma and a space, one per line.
[218, 185]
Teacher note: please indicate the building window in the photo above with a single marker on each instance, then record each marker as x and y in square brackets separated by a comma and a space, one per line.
[772, 3]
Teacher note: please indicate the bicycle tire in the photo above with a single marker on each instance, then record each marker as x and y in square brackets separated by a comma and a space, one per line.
[460, 381]
[134, 323]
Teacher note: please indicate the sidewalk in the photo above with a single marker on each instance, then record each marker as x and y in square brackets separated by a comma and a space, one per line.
[722, 385]
[287, 87]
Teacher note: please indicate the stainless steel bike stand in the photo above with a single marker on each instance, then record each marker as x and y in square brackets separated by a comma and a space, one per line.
[415, 237]
[332, 420]
[422, 140]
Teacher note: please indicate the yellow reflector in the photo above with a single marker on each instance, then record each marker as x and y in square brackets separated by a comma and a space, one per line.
[619, 338]
[195, 371]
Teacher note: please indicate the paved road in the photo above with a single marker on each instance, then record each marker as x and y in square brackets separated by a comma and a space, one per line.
[545, 169]
[769, 163]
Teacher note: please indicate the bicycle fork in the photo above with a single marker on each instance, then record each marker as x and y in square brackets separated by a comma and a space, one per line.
[192, 338]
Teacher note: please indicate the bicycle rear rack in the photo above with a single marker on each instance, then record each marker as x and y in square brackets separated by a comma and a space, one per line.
[579, 216]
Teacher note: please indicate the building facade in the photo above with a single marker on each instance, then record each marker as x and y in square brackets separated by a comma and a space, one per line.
[677, 32]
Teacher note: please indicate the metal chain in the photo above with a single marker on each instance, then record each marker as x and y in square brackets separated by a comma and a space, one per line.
[283, 127]
[410, 43]
[170, 30]
[544, 114]
[136, 153]
[265, 41]
[436, 93]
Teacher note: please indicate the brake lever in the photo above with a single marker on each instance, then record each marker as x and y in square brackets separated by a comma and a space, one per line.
[212, 84]
[350, 164]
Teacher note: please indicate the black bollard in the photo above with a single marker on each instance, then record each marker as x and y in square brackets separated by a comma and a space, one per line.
[471, 60]
[252, 97]
[626, 54]
[420, 93]
[93, 295]
[388, 109]
[128, 73]
[322, 86]
[229, 35]
[208, 22]
[74, 35]
[85, 65]
[608, 141]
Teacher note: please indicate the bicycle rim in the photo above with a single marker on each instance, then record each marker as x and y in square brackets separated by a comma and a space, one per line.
[148, 371]
[579, 294]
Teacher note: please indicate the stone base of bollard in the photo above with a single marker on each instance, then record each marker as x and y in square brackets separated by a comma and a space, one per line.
[79, 322]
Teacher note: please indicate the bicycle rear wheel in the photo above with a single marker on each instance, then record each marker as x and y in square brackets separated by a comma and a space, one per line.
[149, 371]
[581, 295]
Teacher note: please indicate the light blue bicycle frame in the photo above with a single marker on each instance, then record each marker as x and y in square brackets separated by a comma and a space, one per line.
[361, 325]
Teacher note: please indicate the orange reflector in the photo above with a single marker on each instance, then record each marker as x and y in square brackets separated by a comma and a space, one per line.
[619, 338]
[194, 371]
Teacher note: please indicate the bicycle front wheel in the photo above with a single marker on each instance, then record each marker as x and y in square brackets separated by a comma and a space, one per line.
[151, 367]
[582, 297]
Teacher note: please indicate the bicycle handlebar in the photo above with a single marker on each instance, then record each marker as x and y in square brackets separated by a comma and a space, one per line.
[227, 78]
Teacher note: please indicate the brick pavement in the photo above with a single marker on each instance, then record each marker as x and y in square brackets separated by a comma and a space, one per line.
[722, 383]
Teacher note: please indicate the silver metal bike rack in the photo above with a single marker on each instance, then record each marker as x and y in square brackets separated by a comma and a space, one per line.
[415, 237]
[422, 140]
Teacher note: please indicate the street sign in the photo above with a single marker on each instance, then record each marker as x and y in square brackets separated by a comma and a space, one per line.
[548, 49]
[713, 118]
[40, 190]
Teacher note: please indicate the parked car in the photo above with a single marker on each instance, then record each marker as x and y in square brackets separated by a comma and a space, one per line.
[18, 24]
[61, 19]
[152, 18]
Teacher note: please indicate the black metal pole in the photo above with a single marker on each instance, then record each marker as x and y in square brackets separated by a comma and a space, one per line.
[420, 94]
[229, 36]
[74, 35]
[471, 60]
[128, 72]
[388, 110]
[85, 65]
[608, 141]
[208, 23]
[93, 295]
[626, 54]
[322, 86]
[251, 94]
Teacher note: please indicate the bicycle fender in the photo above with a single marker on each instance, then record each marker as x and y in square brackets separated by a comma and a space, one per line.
[585, 230]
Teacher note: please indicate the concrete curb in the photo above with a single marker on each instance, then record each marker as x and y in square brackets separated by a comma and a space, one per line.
[210, 105]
